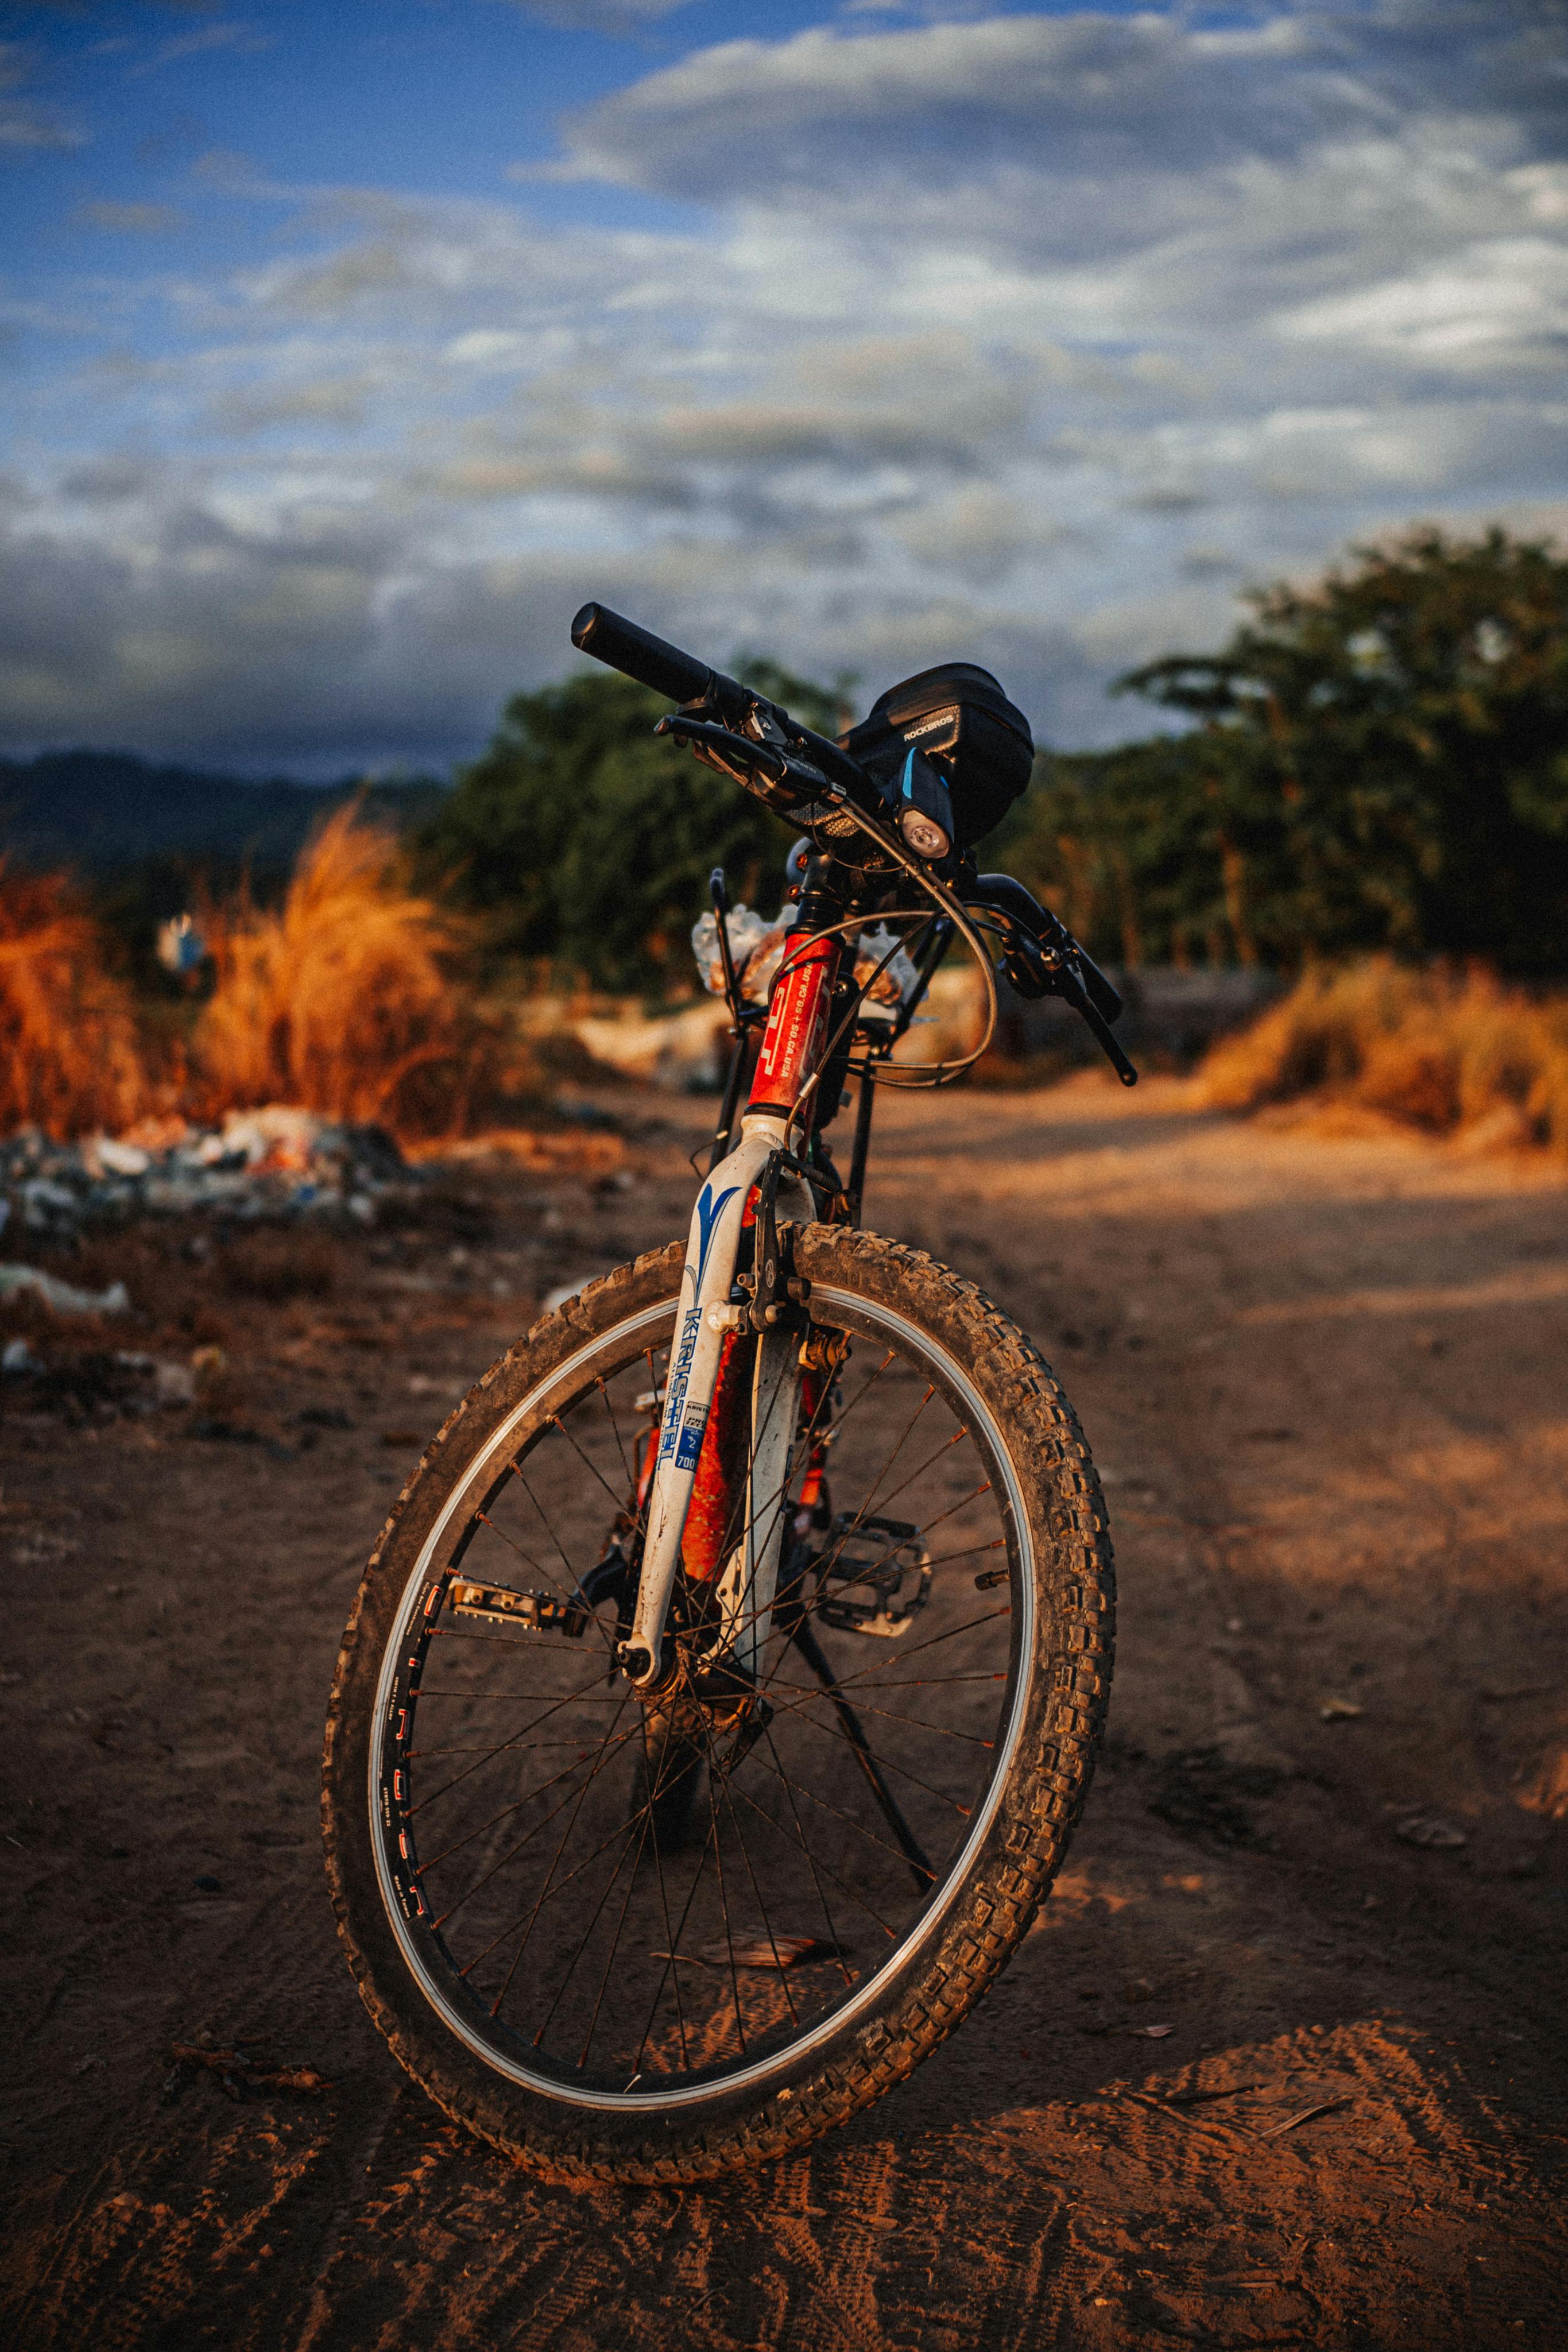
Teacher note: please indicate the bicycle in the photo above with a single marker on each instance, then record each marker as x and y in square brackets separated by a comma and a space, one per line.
[723, 1691]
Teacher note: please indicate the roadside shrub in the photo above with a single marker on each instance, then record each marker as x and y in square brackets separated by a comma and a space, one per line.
[1442, 1051]
[348, 998]
[70, 1059]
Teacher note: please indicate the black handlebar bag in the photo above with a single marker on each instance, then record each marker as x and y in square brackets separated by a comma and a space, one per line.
[959, 717]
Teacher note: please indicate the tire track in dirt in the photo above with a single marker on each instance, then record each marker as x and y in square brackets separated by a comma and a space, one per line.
[1046, 2179]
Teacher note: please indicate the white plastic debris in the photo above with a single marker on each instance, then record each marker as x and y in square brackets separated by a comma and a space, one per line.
[756, 946]
[889, 991]
[102, 1156]
[173, 1384]
[757, 949]
[62, 1297]
[279, 1161]
[181, 946]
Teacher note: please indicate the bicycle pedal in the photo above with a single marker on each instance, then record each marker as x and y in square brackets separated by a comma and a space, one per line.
[502, 1604]
[895, 1580]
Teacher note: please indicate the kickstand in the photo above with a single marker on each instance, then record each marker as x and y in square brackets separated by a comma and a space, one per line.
[810, 1649]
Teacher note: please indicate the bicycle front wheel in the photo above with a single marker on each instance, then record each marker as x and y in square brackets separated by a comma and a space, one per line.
[651, 1940]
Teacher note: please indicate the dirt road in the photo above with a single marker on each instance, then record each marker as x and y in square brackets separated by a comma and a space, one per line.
[1327, 1382]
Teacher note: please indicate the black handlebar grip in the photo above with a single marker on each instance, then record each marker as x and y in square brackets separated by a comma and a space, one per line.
[623, 646]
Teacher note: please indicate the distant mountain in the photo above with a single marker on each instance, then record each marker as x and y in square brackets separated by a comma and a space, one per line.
[103, 812]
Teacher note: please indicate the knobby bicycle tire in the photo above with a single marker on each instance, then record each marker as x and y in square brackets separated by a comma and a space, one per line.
[772, 2094]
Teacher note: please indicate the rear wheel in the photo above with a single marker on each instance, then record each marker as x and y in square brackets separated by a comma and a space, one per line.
[651, 1942]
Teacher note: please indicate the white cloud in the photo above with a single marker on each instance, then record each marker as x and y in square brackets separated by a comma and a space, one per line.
[1025, 339]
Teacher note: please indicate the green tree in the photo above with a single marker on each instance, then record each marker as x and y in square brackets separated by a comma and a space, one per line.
[1394, 748]
[1378, 762]
[582, 838]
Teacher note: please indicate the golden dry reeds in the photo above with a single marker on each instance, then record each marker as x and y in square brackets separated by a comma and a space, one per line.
[344, 999]
[70, 1059]
[1438, 1049]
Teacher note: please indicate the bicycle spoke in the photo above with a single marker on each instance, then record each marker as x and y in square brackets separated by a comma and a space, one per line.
[499, 1750]
[833, 1936]
[652, 1928]
[555, 1864]
[762, 1905]
[468, 1835]
[724, 1906]
[615, 1428]
[557, 1422]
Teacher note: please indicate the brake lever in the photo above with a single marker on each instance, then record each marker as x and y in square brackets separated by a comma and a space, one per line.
[1071, 989]
[773, 762]
[1050, 967]
[804, 782]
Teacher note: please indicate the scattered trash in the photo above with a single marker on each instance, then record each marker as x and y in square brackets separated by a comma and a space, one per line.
[279, 1160]
[62, 1297]
[1149, 2033]
[173, 1384]
[1430, 1829]
[757, 949]
[1202, 2099]
[1340, 1710]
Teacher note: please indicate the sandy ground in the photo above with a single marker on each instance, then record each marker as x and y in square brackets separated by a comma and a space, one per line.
[1326, 1379]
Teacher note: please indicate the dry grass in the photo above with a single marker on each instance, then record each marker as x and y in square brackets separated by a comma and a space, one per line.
[352, 999]
[70, 1058]
[1435, 1049]
[344, 999]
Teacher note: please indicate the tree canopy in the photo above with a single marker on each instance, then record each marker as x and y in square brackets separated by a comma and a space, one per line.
[1379, 760]
[1376, 762]
[583, 839]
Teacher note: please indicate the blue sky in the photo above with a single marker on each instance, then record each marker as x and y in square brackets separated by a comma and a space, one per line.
[347, 349]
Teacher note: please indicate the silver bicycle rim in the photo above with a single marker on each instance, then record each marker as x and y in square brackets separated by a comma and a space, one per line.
[760, 2071]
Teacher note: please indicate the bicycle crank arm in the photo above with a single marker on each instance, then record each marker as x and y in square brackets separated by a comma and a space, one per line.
[702, 1319]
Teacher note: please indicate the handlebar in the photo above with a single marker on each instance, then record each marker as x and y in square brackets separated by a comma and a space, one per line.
[623, 646]
[1043, 958]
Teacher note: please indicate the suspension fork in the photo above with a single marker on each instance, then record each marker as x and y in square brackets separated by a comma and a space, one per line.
[708, 1313]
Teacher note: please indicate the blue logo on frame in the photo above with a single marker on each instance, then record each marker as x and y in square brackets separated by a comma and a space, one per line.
[709, 1210]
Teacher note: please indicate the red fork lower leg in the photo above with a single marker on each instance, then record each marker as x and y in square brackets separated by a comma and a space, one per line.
[713, 1520]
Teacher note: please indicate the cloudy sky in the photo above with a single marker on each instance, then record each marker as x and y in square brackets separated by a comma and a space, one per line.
[346, 350]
